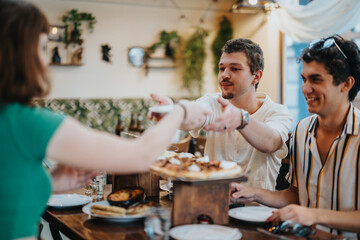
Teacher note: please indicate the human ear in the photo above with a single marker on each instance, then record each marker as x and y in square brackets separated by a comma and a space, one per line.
[257, 77]
[348, 84]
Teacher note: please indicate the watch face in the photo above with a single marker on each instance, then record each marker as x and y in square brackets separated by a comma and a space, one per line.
[246, 117]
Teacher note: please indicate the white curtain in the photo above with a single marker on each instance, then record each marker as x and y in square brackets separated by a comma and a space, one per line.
[317, 19]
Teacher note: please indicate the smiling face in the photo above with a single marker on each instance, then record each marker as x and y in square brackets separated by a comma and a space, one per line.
[322, 96]
[235, 77]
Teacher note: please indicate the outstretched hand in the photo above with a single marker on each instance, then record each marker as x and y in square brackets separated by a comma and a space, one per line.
[67, 178]
[162, 100]
[228, 121]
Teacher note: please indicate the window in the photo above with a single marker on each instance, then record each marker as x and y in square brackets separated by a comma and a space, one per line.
[294, 98]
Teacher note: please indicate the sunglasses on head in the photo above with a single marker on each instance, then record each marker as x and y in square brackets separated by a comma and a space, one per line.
[327, 44]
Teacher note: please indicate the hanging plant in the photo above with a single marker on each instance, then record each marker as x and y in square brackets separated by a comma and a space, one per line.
[194, 58]
[167, 39]
[72, 21]
[225, 33]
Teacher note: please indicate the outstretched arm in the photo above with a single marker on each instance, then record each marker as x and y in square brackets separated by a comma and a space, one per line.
[79, 146]
[198, 123]
[258, 134]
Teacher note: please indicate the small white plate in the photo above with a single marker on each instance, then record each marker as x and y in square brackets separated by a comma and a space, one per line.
[124, 219]
[251, 213]
[162, 109]
[68, 200]
[205, 232]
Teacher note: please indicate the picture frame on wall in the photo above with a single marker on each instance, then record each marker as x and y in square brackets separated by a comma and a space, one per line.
[56, 33]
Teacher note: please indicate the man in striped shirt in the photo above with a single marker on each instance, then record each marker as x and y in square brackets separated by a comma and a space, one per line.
[324, 148]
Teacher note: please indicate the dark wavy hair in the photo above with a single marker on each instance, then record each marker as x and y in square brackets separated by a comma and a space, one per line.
[22, 75]
[339, 66]
[252, 51]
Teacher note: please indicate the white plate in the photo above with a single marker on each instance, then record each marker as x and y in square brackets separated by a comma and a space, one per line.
[251, 213]
[205, 232]
[126, 218]
[167, 186]
[68, 200]
[162, 109]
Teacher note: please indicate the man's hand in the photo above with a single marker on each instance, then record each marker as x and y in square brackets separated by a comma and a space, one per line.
[241, 193]
[196, 115]
[67, 178]
[299, 214]
[228, 121]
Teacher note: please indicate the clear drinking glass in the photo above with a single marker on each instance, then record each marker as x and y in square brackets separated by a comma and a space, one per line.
[88, 190]
[98, 190]
[101, 177]
[157, 223]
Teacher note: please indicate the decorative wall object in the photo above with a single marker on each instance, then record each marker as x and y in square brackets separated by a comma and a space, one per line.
[136, 56]
[72, 21]
[168, 40]
[56, 33]
[77, 55]
[56, 56]
[71, 35]
[225, 33]
[105, 50]
[194, 58]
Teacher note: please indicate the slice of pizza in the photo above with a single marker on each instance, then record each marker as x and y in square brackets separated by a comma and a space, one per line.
[188, 166]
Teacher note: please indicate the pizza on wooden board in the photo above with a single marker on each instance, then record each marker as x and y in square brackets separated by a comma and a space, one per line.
[188, 166]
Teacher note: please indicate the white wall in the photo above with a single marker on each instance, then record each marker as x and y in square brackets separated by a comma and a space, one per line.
[261, 29]
[122, 26]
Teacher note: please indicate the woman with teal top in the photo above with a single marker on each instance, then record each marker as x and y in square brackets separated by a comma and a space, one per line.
[28, 134]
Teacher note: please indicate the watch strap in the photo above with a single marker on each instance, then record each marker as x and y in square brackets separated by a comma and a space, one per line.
[245, 118]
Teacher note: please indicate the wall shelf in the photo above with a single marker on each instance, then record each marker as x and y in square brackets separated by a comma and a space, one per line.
[66, 64]
[161, 62]
[161, 67]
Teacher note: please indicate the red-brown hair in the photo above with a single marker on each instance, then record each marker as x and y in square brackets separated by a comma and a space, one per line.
[22, 75]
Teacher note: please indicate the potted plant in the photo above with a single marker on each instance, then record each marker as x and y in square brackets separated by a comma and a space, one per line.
[168, 40]
[72, 21]
[225, 33]
[194, 58]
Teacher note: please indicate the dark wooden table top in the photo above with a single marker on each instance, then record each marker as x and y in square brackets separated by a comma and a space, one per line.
[77, 225]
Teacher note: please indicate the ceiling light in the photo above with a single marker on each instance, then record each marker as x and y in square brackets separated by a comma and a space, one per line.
[253, 6]
[253, 2]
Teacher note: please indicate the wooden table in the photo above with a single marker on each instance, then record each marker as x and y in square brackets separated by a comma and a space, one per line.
[77, 225]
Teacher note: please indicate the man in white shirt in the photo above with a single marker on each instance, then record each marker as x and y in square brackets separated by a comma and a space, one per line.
[246, 127]
[324, 148]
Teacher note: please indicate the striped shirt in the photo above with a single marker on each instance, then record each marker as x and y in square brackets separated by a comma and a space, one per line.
[334, 185]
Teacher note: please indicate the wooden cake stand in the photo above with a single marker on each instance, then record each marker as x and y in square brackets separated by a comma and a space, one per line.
[203, 200]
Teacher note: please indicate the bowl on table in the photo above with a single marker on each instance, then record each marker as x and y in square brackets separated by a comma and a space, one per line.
[125, 197]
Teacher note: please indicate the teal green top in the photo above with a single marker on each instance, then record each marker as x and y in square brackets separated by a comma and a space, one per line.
[24, 184]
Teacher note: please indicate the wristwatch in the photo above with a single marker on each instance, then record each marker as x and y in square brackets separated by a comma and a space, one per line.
[244, 120]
